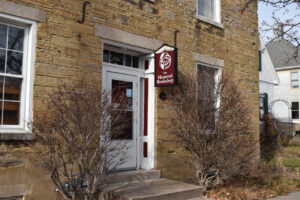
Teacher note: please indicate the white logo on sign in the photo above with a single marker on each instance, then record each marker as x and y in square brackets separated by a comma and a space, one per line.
[165, 61]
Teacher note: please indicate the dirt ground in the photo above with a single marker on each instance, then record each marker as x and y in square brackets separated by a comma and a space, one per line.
[277, 176]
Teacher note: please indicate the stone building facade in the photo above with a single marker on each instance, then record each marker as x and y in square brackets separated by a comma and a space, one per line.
[59, 46]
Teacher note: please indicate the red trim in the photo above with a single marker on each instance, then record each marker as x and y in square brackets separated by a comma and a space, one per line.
[145, 150]
[146, 108]
[146, 64]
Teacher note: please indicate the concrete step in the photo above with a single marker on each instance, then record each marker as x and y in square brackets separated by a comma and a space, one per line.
[132, 176]
[157, 189]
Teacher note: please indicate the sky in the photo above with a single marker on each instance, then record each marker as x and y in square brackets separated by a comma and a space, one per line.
[265, 14]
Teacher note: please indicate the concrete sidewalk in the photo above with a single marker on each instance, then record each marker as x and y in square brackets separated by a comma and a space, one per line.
[292, 196]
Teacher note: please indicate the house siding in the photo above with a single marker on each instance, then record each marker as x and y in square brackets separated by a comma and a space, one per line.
[69, 51]
[284, 91]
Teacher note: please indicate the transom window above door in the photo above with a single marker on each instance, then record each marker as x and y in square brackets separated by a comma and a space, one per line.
[119, 56]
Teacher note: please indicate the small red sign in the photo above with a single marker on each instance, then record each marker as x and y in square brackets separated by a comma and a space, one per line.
[166, 66]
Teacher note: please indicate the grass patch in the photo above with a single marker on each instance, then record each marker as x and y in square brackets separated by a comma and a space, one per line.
[291, 162]
[273, 161]
[293, 148]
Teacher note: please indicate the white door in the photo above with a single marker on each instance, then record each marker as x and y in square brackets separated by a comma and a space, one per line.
[127, 86]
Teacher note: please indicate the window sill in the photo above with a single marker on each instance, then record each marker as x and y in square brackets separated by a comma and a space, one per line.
[17, 136]
[209, 21]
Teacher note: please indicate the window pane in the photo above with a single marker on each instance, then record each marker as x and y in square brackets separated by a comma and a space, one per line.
[206, 8]
[126, 132]
[3, 35]
[11, 113]
[128, 60]
[122, 89]
[261, 102]
[1, 90]
[295, 75]
[14, 62]
[206, 81]
[295, 115]
[295, 84]
[116, 58]
[135, 62]
[2, 60]
[261, 113]
[15, 38]
[12, 88]
[106, 56]
[295, 105]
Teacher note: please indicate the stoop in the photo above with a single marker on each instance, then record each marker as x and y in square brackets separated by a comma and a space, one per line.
[147, 185]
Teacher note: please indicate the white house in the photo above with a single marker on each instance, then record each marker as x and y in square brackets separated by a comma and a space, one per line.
[268, 79]
[287, 93]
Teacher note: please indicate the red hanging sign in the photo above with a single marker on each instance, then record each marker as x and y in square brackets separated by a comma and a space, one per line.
[166, 66]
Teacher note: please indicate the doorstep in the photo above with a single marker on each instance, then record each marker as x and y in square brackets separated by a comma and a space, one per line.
[147, 185]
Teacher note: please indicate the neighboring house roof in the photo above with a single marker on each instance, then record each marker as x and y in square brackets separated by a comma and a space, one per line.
[287, 68]
[268, 73]
[283, 53]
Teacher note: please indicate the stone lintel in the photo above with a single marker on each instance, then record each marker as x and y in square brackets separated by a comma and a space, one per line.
[17, 136]
[17, 190]
[124, 37]
[22, 11]
[208, 59]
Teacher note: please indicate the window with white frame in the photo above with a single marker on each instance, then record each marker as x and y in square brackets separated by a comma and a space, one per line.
[209, 9]
[295, 79]
[206, 88]
[16, 63]
[295, 110]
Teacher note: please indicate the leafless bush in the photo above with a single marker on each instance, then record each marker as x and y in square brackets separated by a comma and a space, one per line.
[213, 122]
[74, 138]
[269, 138]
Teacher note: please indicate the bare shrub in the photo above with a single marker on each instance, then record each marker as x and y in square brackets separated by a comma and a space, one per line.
[213, 122]
[269, 138]
[74, 138]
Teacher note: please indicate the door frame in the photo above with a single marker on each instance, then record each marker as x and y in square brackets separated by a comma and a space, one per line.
[142, 74]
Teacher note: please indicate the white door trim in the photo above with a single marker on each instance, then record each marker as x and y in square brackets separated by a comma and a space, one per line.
[149, 162]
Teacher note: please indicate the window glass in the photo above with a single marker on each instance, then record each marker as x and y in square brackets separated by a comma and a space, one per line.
[128, 60]
[106, 56]
[121, 89]
[116, 58]
[12, 89]
[14, 62]
[206, 80]
[2, 60]
[11, 113]
[135, 61]
[15, 38]
[295, 75]
[206, 8]
[120, 59]
[295, 79]
[206, 86]
[261, 108]
[11, 63]
[295, 110]
[3, 36]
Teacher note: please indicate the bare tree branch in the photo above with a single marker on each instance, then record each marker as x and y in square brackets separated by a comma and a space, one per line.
[75, 138]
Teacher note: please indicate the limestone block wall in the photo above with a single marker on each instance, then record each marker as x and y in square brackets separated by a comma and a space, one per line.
[68, 51]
